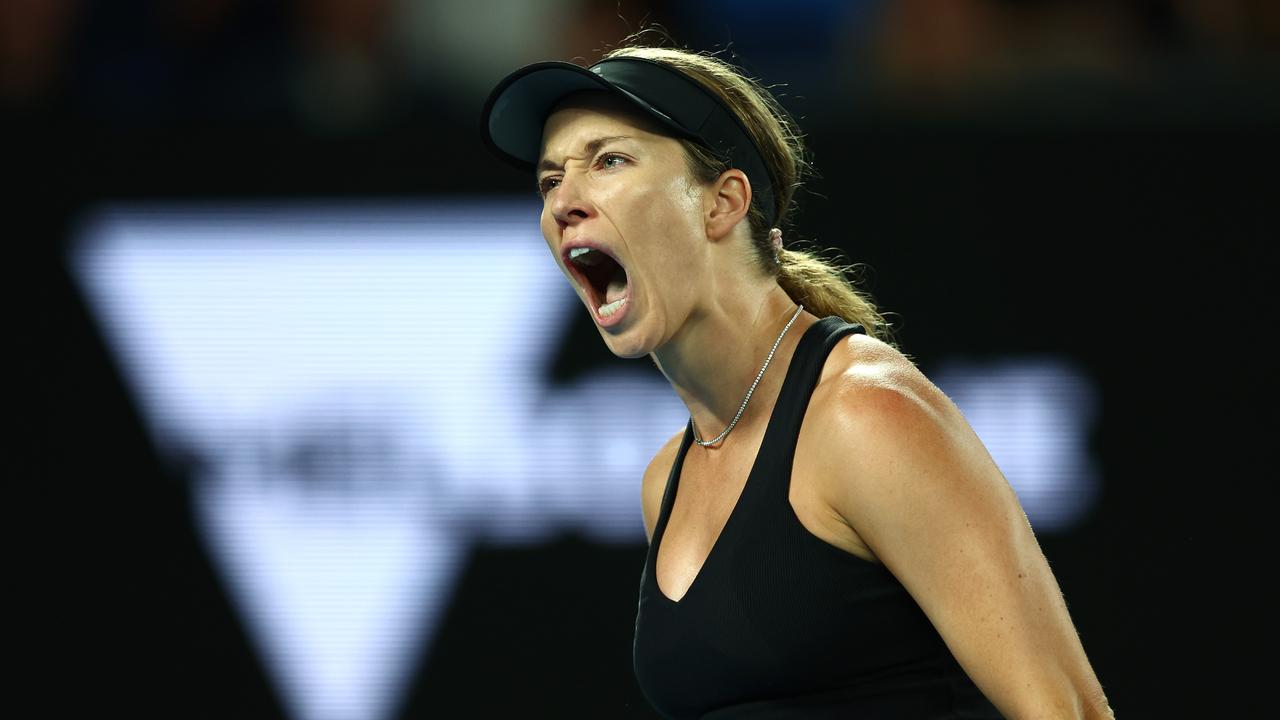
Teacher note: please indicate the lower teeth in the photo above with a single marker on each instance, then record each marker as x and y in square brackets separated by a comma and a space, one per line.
[611, 308]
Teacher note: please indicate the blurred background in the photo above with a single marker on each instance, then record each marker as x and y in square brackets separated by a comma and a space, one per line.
[325, 435]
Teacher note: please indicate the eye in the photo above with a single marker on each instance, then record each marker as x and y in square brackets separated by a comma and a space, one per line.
[547, 184]
[607, 157]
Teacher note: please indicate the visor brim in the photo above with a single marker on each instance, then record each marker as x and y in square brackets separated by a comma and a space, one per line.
[516, 111]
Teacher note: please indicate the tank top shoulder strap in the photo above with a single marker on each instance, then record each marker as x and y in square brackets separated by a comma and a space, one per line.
[805, 370]
[779, 443]
[668, 495]
[777, 449]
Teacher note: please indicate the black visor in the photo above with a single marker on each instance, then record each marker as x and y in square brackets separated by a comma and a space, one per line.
[513, 116]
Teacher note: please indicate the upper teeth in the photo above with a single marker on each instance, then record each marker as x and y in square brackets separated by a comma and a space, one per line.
[577, 254]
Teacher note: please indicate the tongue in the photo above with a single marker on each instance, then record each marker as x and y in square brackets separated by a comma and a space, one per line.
[617, 286]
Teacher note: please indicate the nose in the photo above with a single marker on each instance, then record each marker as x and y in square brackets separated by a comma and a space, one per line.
[569, 205]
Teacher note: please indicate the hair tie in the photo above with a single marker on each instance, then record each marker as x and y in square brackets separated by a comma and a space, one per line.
[775, 239]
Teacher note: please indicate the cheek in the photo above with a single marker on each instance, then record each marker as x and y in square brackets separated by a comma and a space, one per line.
[686, 194]
[665, 212]
[550, 230]
[676, 206]
[671, 212]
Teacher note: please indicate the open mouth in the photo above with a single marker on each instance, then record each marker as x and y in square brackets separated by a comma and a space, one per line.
[603, 277]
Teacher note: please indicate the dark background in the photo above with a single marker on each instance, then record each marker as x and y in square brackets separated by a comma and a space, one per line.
[1090, 179]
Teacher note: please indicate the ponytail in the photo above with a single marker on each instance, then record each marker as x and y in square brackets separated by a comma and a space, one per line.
[824, 289]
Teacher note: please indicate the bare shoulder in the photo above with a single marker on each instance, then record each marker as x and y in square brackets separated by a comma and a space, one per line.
[655, 481]
[883, 431]
[904, 469]
[868, 382]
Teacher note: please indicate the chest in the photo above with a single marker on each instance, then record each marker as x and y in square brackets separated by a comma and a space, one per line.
[709, 491]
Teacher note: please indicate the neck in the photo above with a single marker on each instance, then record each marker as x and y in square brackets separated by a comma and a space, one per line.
[713, 359]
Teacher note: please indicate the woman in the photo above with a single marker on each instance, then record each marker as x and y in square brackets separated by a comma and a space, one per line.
[828, 537]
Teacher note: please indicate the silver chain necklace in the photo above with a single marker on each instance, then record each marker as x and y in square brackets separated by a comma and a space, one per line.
[747, 399]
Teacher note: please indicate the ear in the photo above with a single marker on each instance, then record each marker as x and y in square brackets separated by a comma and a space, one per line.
[730, 199]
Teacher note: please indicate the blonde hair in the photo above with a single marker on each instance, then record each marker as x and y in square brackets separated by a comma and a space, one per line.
[819, 284]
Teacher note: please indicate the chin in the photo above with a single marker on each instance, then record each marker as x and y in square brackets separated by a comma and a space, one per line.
[627, 344]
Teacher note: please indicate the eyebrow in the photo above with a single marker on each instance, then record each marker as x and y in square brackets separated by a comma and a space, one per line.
[590, 149]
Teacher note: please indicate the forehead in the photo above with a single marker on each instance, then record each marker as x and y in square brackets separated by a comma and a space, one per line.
[583, 116]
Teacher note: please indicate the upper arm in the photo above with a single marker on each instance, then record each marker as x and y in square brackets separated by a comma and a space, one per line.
[919, 487]
[654, 482]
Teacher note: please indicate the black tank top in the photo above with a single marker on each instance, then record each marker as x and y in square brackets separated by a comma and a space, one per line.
[781, 624]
